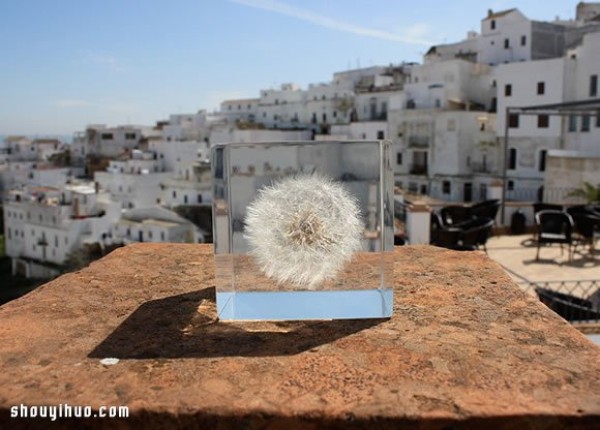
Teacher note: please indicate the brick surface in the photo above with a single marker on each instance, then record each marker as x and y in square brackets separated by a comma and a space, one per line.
[465, 349]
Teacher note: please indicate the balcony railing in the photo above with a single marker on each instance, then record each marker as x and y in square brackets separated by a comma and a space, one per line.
[480, 167]
[418, 141]
[418, 169]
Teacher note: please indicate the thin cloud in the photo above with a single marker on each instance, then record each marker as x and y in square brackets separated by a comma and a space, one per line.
[108, 61]
[333, 24]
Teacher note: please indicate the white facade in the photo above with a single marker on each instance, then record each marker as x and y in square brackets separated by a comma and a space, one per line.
[155, 225]
[45, 225]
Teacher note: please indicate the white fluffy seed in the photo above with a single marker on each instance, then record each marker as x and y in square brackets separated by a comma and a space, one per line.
[303, 229]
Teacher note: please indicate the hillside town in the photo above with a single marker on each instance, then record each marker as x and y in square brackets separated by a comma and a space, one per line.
[450, 118]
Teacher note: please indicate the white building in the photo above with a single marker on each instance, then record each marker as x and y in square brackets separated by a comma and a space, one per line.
[155, 225]
[45, 225]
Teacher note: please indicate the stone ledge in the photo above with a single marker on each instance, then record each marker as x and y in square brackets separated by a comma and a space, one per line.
[465, 349]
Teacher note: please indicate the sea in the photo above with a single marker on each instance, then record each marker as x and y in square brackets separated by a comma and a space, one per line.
[66, 138]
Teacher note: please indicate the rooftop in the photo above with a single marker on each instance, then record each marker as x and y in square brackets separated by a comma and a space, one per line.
[465, 349]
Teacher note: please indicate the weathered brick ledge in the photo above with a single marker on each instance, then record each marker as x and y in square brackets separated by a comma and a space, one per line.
[465, 349]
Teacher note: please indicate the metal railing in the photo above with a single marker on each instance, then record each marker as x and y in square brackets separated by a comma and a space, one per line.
[575, 301]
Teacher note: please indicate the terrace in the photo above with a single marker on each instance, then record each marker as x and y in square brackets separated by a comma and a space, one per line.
[465, 349]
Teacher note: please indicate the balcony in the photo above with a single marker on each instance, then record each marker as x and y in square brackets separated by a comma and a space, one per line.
[478, 167]
[485, 355]
[418, 141]
[418, 169]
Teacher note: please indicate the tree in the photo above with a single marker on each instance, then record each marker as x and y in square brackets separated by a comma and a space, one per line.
[588, 192]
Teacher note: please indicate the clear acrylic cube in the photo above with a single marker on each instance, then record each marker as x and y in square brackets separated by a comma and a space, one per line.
[303, 230]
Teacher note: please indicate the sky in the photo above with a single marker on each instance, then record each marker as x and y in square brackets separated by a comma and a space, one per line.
[68, 63]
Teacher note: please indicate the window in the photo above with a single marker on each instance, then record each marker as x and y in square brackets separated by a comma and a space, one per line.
[335, 114]
[493, 24]
[107, 136]
[380, 134]
[506, 44]
[511, 185]
[512, 158]
[523, 40]
[9, 231]
[446, 187]
[541, 88]
[597, 125]
[174, 194]
[162, 235]
[399, 158]
[585, 123]
[542, 161]
[508, 90]
[543, 121]
[593, 85]
[572, 123]
[423, 189]
[56, 241]
[129, 136]
[483, 191]
[513, 120]
[185, 199]
[239, 107]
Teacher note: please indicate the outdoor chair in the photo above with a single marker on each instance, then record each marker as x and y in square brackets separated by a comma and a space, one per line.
[539, 206]
[569, 307]
[475, 234]
[554, 227]
[455, 214]
[587, 227]
[441, 234]
[486, 209]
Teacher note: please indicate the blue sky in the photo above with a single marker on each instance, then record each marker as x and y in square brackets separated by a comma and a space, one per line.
[68, 63]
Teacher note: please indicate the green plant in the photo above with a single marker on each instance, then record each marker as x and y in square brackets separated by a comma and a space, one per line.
[589, 192]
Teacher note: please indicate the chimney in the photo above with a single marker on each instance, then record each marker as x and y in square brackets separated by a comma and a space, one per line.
[490, 12]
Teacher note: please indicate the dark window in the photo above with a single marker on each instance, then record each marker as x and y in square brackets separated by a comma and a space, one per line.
[174, 194]
[543, 121]
[506, 44]
[523, 40]
[542, 161]
[107, 136]
[513, 120]
[199, 198]
[446, 187]
[512, 158]
[508, 90]
[572, 123]
[162, 235]
[493, 24]
[597, 122]
[423, 189]
[239, 107]
[399, 158]
[541, 88]
[585, 123]
[380, 134]
[130, 136]
[185, 199]
[593, 85]
[511, 185]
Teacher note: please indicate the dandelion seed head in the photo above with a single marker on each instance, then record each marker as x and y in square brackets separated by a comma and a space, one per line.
[303, 229]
